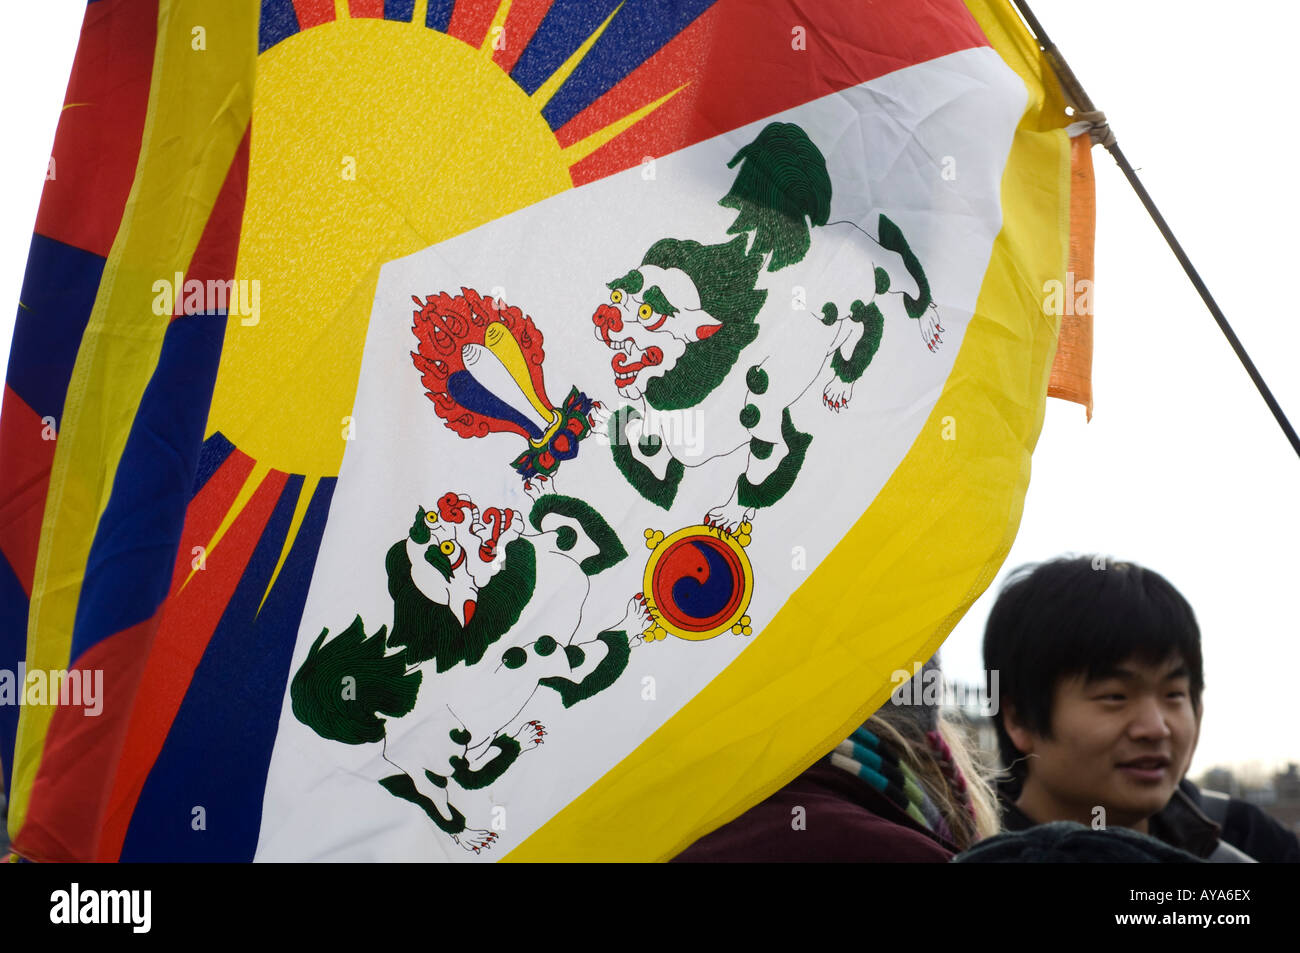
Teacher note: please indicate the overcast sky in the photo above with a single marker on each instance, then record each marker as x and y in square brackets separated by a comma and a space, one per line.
[1182, 467]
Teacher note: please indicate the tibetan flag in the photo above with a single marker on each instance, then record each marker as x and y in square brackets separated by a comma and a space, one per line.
[524, 429]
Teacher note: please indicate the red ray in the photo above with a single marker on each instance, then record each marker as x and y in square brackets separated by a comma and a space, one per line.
[184, 630]
[522, 22]
[313, 12]
[367, 8]
[470, 21]
[206, 511]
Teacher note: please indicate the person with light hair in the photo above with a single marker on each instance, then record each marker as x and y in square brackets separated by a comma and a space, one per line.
[902, 788]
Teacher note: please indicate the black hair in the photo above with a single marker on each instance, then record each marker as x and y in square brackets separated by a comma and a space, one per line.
[1080, 615]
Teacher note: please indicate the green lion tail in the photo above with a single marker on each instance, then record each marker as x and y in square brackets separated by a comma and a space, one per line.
[346, 683]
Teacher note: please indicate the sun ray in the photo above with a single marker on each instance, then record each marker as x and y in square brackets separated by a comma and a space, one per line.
[498, 23]
[309, 485]
[251, 483]
[584, 147]
[421, 12]
[557, 79]
[341, 11]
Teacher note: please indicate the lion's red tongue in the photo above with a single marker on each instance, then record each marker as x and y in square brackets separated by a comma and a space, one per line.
[650, 357]
[469, 610]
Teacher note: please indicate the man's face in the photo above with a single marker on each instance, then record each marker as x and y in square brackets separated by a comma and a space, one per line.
[1121, 741]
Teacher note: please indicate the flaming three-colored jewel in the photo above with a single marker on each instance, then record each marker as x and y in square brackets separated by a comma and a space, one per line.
[481, 364]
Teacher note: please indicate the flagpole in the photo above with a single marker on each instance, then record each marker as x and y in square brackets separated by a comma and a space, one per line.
[1079, 99]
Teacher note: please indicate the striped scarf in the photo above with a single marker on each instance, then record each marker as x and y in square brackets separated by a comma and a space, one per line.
[864, 755]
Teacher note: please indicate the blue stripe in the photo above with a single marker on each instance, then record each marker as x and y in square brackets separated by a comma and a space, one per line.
[439, 14]
[399, 10]
[279, 22]
[133, 553]
[564, 28]
[58, 294]
[13, 649]
[218, 751]
[214, 453]
[641, 29]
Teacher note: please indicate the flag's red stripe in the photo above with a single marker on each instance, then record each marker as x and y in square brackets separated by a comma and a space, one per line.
[24, 480]
[744, 65]
[470, 21]
[187, 623]
[524, 18]
[367, 8]
[98, 141]
[313, 12]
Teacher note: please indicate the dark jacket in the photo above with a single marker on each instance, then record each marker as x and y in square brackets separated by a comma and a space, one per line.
[1246, 826]
[1181, 823]
[843, 820]
[1065, 842]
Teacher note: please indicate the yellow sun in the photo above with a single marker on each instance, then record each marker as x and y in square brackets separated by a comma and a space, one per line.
[371, 140]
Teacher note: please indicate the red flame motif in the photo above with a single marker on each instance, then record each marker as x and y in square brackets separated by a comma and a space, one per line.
[451, 507]
[443, 325]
